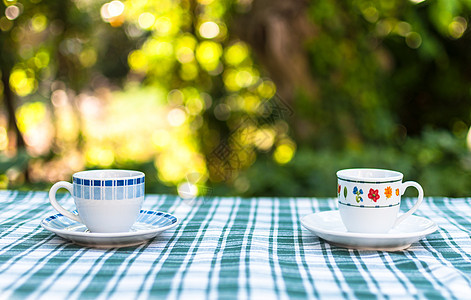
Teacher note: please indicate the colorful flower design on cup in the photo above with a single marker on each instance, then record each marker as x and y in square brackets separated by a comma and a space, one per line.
[373, 200]
[357, 192]
[388, 192]
[339, 189]
[373, 195]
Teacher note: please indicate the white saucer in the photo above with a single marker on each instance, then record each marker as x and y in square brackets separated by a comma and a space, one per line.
[148, 225]
[328, 226]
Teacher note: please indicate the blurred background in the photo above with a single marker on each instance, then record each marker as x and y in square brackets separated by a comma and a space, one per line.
[242, 97]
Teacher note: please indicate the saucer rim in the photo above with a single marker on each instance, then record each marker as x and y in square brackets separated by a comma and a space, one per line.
[383, 236]
[110, 234]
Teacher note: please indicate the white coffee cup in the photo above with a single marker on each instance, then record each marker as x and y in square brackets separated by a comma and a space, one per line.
[106, 200]
[369, 199]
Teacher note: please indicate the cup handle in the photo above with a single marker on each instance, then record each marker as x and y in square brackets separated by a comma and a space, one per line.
[52, 198]
[404, 186]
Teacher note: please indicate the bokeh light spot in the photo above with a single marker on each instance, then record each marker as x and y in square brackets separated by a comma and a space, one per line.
[251, 103]
[5, 24]
[146, 20]
[115, 8]
[188, 71]
[175, 97]
[241, 184]
[236, 53]
[402, 28]
[209, 30]
[266, 89]
[22, 82]
[111, 10]
[194, 106]
[284, 153]
[187, 190]
[457, 28]
[30, 115]
[243, 78]
[59, 98]
[222, 111]
[137, 60]
[413, 40]
[384, 27]
[12, 12]
[185, 55]
[208, 54]
[42, 59]
[39, 22]
[88, 57]
[176, 117]
[371, 14]
[229, 80]
[264, 139]
[163, 25]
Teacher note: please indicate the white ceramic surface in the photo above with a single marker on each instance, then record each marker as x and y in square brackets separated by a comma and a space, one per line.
[149, 224]
[329, 226]
[368, 220]
[369, 199]
[110, 215]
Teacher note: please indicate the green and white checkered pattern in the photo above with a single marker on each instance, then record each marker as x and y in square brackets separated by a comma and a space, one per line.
[231, 248]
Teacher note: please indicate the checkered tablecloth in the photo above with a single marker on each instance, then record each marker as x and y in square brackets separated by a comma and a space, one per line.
[231, 248]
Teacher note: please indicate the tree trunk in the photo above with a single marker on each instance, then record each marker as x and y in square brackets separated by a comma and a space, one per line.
[277, 30]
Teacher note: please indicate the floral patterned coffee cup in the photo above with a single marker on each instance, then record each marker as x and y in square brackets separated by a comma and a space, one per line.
[369, 199]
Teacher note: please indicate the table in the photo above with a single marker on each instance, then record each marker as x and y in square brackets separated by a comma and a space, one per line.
[231, 248]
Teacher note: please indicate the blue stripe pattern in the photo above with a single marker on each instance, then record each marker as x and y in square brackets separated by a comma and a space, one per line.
[113, 182]
[147, 217]
[109, 189]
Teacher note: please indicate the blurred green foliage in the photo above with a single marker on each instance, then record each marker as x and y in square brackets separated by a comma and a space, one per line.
[169, 88]
[437, 159]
